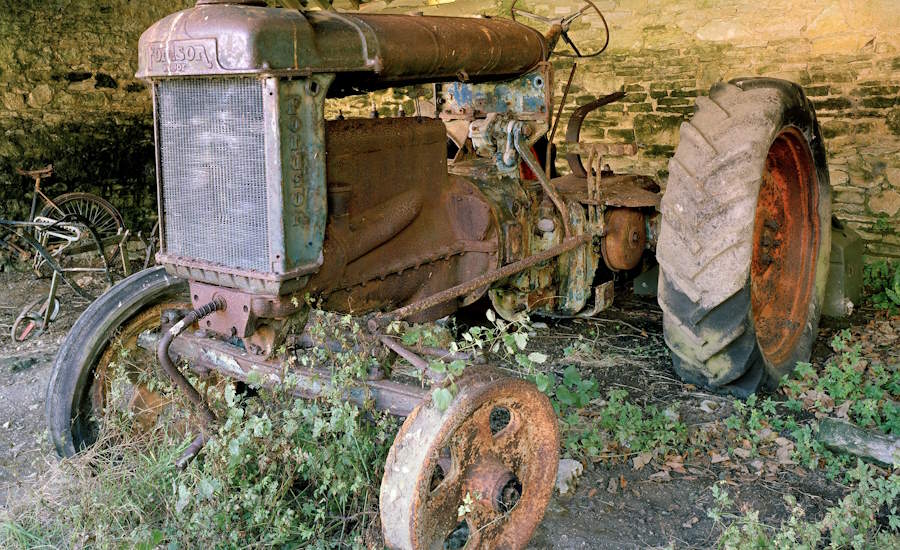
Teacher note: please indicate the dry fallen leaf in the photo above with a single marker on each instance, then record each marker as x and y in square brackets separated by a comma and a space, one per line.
[662, 475]
[613, 486]
[677, 464]
[716, 458]
[741, 453]
[690, 523]
[841, 412]
[766, 434]
[642, 460]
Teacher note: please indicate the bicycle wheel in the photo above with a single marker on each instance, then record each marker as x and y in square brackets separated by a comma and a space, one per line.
[102, 216]
[32, 317]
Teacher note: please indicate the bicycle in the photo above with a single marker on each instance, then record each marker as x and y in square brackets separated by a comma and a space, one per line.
[69, 227]
[90, 209]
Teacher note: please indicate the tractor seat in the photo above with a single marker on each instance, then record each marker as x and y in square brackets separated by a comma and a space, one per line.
[44, 172]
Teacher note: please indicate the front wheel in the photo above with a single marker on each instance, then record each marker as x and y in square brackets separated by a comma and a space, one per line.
[745, 239]
[76, 394]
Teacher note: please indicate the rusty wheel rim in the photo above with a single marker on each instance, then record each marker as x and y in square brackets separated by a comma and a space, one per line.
[144, 402]
[497, 444]
[785, 247]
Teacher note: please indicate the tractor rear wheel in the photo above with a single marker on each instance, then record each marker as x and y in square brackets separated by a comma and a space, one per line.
[746, 237]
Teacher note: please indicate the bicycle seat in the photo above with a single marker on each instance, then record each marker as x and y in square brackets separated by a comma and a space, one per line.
[44, 172]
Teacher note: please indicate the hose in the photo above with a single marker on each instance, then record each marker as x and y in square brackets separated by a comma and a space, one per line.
[162, 353]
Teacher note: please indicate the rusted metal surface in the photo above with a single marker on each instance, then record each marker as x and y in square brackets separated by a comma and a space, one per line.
[555, 125]
[528, 157]
[367, 51]
[266, 138]
[485, 279]
[146, 404]
[604, 295]
[619, 190]
[209, 354]
[573, 129]
[625, 240]
[405, 229]
[497, 442]
[575, 269]
[786, 237]
[528, 97]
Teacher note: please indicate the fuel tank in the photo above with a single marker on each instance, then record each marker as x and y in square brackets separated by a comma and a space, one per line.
[365, 51]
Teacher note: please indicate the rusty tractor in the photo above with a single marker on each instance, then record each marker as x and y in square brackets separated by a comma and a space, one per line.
[262, 202]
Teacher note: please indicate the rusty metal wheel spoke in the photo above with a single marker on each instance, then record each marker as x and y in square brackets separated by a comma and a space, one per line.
[494, 450]
[441, 506]
[145, 404]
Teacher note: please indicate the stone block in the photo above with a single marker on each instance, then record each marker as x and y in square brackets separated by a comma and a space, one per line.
[640, 108]
[880, 102]
[621, 134]
[14, 101]
[892, 174]
[685, 110]
[634, 98]
[893, 121]
[685, 93]
[41, 95]
[832, 104]
[875, 88]
[850, 197]
[673, 101]
[885, 202]
[657, 129]
[817, 91]
[882, 250]
[834, 128]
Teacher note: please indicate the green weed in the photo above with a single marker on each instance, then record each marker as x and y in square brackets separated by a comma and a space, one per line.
[866, 517]
[882, 284]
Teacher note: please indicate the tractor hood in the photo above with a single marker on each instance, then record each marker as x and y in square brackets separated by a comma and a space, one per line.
[365, 51]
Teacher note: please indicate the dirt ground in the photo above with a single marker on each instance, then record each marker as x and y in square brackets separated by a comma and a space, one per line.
[614, 506]
[24, 373]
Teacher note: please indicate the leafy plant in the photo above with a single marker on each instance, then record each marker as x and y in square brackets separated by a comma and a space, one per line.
[883, 225]
[279, 471]
[596, 429]
[869, 391]
[882, 283]
[503, 339]
[867, 517]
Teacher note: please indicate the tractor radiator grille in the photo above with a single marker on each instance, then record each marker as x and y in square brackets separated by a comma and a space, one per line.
[212, 163]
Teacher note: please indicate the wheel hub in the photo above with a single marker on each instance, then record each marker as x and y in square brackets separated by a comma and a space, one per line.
[478, 475]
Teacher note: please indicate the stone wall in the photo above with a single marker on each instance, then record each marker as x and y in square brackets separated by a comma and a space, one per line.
[68, 93]
[68, 96]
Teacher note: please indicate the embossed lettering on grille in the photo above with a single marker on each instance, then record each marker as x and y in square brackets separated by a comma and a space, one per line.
[212, 159]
